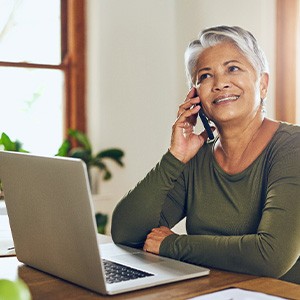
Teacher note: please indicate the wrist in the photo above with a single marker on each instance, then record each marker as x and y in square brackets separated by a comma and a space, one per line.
[180, 156]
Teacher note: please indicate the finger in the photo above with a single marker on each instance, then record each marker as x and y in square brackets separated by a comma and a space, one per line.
[160, 228]
[150, 246]
[188, 116]
[158, 233]
[187, 105]
[147, 244]
[190, 100]
[187, 125]
[165, 229]
[154, 237]
[146, 249]
[188, 131]
[192, 93]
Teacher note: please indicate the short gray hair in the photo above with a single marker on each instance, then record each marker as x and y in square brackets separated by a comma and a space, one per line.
[212, 36]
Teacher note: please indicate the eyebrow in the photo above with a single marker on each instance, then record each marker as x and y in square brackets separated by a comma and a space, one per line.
[224, 64]
[231, 61]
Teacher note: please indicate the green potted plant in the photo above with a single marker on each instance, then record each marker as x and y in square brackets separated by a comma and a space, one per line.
[7, 144]
[84, 151]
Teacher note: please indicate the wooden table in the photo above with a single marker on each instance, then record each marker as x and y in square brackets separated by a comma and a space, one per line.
[44, 286]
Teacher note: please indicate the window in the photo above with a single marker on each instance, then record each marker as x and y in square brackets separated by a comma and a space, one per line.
[42, 71]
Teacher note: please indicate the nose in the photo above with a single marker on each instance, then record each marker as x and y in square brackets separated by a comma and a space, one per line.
[221, 82]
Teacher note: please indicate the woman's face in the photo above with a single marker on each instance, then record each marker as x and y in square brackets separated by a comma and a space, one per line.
[227, 84]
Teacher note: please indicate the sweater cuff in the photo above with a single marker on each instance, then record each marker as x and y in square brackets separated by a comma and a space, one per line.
[172, 164]
[167, 245]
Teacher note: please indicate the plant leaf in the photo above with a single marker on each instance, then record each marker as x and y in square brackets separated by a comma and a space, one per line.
[101, 221]
[81, 153]
[102, 167]
[107, 174]
[18, 146]
[64, 148]
[7, 143]
[81, 138]
[113, 153]
[99, 164]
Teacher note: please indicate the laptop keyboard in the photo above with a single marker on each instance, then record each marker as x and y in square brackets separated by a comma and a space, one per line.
[115, 272]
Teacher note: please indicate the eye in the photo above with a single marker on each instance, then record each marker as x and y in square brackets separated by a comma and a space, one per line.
[203, 77]
[233, 69]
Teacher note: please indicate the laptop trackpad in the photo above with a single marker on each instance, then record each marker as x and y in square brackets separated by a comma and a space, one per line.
[127, 255]
[138, 259]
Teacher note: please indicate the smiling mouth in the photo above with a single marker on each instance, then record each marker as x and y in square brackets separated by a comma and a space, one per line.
[225, 99]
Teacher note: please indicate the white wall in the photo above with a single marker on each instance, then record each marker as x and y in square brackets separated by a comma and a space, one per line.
[136, 75]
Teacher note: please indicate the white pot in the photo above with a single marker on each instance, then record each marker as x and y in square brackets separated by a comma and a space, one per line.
[94, 177]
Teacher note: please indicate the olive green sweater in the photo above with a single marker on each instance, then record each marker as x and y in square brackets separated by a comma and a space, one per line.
[247, 222]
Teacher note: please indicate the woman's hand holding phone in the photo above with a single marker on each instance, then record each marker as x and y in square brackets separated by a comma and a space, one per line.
[185, 143]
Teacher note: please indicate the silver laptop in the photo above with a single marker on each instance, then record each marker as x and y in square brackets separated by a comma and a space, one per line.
[51, 215]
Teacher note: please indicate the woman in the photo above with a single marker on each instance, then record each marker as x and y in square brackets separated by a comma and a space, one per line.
[239, 193]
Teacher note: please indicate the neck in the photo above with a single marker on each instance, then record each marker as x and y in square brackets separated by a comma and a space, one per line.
[238, 147]
[234, 138]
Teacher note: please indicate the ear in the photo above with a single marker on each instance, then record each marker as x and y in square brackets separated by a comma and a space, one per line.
[264, 82]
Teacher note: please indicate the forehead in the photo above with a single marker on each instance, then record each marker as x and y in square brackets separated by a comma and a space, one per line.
[221, 53]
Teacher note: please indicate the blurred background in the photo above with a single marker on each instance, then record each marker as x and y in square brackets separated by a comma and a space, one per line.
[130, 76]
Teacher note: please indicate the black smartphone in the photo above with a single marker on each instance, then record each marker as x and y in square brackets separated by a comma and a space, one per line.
[205, 123]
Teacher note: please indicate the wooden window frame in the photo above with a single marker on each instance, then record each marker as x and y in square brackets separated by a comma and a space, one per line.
[286, 72]
[74, 60]
[73, 63]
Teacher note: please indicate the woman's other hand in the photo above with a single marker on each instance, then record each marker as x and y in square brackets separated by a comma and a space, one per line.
[184, 142]
[155, 238]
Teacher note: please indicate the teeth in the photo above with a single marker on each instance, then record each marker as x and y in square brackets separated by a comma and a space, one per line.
[226, 99]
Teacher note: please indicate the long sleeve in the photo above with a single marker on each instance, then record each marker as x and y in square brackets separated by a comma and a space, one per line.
[247, 222]
[274, 247]
[272, 251]
[142, 208]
